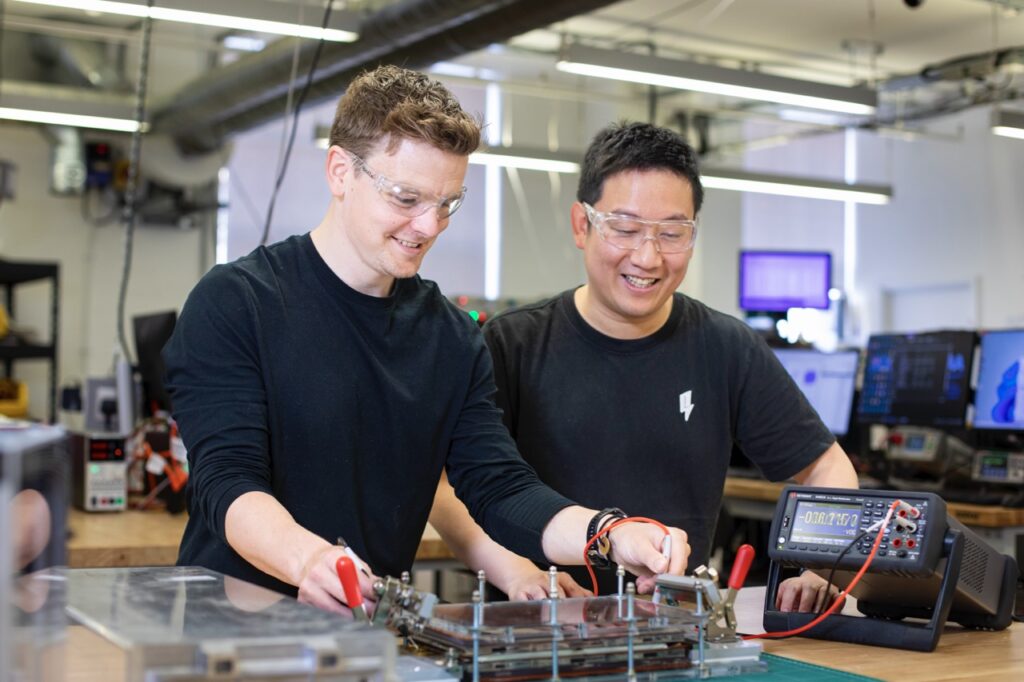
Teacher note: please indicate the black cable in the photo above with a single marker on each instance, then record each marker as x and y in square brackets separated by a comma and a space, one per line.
[295, 124]
[835, 565]
[129, 214]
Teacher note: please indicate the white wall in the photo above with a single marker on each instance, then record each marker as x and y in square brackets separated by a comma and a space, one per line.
[955, 222]
[957, 216]
[38, 226]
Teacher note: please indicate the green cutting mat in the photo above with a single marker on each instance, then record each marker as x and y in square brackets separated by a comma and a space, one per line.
[787, 670]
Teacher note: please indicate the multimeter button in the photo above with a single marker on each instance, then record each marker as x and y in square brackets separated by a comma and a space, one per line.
[902, 553]
[869, 504]
[791, 547]
[834, 550]
[802, 548]
[883, 552]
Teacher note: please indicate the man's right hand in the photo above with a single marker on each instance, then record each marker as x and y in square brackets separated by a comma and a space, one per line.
[321, 587]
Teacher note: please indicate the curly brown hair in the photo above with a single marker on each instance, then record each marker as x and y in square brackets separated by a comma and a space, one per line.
[397, 104]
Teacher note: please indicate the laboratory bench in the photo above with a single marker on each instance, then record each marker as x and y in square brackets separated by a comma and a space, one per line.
[961, 654]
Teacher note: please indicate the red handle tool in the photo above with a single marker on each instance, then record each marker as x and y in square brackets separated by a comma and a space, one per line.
[346, 569]
[738, 576]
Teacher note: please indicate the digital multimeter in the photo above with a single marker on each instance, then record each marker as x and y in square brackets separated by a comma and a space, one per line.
[928, 565]
[816, 525]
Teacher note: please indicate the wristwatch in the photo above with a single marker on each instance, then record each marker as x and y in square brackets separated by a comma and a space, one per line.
[599, 553]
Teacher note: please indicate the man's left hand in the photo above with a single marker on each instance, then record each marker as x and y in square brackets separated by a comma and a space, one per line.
[637, 546]
[805, 594]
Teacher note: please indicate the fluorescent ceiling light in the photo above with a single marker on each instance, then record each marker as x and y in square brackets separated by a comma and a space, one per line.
[523, 159]
[713, 178]
[125, 125]
[1008, 124]
[715, 80]
[260, 16]
[503, 157]
[765, 183]
[67, 106]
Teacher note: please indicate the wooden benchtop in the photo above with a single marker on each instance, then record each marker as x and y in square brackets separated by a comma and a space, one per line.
[971, 514]
[961, 654]
[150, 538]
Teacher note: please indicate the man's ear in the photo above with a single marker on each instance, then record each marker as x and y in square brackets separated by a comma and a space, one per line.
[580, 224]
[337, 165]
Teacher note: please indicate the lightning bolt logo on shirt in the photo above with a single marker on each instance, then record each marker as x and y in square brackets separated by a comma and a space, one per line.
[686, 404]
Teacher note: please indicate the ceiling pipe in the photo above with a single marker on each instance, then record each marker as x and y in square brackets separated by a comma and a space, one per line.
[413, 33]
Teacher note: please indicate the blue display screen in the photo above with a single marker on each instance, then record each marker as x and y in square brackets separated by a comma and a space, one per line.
[825, 523]
[917, 378]
[999, 402]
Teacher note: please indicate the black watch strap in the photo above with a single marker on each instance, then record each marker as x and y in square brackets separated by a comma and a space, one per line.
[600, 551]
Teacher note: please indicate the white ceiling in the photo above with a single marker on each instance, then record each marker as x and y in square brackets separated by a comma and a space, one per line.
[826, 40]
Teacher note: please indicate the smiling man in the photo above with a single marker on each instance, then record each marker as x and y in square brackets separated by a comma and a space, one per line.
[624, 388]
[321, 386]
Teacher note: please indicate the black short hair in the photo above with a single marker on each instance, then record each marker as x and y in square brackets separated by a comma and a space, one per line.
[637, 146]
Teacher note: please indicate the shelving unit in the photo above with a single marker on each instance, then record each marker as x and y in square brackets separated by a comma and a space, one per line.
[12, 274]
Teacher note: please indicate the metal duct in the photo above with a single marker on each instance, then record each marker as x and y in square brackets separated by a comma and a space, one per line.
[81, 63]
[414, 33]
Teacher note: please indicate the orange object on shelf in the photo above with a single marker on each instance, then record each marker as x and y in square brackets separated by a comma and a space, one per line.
[13, 398]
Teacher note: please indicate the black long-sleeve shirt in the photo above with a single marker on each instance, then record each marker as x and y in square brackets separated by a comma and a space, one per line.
[343, 406]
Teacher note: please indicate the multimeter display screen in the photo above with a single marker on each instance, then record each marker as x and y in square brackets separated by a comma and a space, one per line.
[825, 523]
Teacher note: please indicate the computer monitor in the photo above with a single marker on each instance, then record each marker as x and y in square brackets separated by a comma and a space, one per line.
[151, 334]
[775, 281]
[999, 399]
[921, 379]
[827, 380]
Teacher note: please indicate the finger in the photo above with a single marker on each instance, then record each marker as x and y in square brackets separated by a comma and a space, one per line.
[646, 551]
[316, 596]
[786, 596]
[366, 586]
[535, 592]
[808, 598]
[823, 599]
[646, 584]
[680, 552]
[570, 587]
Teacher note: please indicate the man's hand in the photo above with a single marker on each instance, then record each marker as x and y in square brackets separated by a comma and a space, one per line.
[321, 587]
[534, 585]
[805, 594]
[638, 547]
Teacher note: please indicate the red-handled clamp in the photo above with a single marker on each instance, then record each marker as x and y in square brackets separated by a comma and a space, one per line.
[349, 578]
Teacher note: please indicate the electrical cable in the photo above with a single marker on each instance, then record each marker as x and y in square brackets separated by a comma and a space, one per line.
[295, 123]
[835, 564]
[129, 213]
[608, 529]
[842, 595]
[290, 96]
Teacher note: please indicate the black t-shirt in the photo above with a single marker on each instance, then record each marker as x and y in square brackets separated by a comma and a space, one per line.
[648, 424]
[344, 407]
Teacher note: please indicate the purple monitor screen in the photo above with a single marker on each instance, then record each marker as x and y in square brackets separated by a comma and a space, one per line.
[775, 281]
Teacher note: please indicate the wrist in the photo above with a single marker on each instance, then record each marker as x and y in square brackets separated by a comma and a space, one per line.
[600, 550]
